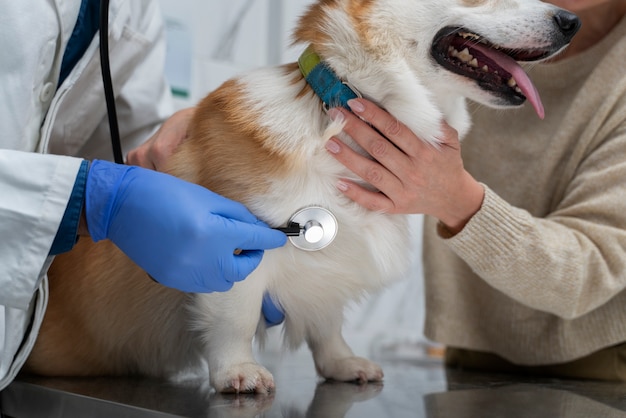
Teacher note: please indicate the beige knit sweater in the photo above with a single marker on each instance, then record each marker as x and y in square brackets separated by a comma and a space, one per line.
[538, 275]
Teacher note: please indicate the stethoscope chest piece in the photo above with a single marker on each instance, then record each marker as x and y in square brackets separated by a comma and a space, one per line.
[318, 228]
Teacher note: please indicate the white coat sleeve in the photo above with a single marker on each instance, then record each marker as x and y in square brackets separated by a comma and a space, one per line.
[34, 191]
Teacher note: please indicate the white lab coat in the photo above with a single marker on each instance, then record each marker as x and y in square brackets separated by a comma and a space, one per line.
[38, 120]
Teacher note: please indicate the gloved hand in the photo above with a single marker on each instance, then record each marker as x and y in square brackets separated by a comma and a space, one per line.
[272, 311]
[181, 234]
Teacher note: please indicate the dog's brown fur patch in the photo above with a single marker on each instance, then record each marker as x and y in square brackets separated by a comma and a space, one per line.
[473, 3]
[72, 343]
[238, 168]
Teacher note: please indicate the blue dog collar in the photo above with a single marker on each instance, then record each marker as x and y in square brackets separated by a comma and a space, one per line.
[324, 82]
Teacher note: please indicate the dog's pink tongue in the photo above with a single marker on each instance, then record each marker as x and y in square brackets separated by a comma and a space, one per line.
[521, 78]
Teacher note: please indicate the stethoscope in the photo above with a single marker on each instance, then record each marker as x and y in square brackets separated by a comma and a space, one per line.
[310, 229]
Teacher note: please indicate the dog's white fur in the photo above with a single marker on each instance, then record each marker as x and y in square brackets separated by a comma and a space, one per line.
[382, 47]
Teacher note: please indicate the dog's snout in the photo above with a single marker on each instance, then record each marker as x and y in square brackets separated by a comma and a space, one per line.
[567, 22]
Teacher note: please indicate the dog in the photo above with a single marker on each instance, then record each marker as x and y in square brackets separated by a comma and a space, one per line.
[259, 139]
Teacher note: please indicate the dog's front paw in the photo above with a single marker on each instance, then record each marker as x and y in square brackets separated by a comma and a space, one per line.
[352, 369]
[243, 377]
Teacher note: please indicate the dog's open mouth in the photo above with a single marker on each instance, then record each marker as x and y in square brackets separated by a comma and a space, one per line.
[493, 67]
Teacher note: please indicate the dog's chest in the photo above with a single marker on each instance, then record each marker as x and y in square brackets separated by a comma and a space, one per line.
[370, 249]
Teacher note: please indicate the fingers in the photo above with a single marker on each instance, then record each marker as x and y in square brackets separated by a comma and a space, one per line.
[374, 201]
[370, 171]
[389, 127]
[251, 241]
[257, 237]
[371, 140]
[380, 173]
[139, 157]
[155, 152]
[253, 234]
[226, 208]
[242, 265]
[272, 311]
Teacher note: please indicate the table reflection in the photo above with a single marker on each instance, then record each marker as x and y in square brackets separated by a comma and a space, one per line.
[410, 389]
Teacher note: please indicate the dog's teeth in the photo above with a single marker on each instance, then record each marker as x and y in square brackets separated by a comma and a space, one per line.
[517, 89]
[465, 56]
[474, 63]
[512, 83]
[468, 35]
[485, 68]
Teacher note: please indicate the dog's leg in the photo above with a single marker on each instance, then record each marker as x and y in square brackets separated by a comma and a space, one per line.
[227, 323]
[335, 360]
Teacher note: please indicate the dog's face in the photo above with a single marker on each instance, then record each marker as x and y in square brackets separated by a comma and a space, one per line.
[454, 48]
[471, 46]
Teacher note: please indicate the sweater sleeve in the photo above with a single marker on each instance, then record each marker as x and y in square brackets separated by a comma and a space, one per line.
[567, 263]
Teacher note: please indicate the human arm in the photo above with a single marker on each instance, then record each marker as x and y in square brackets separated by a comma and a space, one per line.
[156, 150]
[568, 261]
[182, 234]
[154, 154]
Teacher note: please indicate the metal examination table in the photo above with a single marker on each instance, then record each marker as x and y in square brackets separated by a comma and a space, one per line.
[410, 389]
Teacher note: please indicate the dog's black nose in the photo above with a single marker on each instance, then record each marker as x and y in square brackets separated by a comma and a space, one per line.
[567, 22]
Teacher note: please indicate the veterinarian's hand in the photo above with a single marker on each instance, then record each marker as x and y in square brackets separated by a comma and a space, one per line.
[411, 176]
[155, 151]
[181, 234]
[272, 311]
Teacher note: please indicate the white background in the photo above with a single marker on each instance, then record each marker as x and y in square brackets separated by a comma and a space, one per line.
[227, 37]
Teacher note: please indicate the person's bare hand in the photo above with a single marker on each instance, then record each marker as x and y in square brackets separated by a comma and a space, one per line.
[155, 151]
[411, 175]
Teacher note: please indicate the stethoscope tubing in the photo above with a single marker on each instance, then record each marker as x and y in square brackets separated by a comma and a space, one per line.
[109, 95]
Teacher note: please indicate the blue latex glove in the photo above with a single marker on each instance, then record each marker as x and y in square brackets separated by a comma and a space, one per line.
[181, 234]
[272, 311]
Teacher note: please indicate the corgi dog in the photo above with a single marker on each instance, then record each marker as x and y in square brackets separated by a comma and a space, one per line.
[260, 139]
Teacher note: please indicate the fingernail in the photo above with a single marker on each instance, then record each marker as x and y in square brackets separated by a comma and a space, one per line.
[342, 185]
[335, 115]
[333, 146]
[355, 105]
